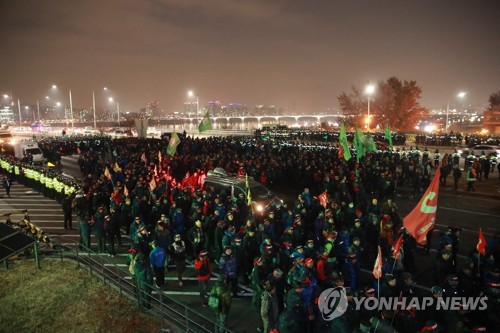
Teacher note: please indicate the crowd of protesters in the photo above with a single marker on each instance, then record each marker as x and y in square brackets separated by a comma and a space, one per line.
[290, 252]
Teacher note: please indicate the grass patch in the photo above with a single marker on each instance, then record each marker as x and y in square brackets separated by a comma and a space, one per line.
[63, 298]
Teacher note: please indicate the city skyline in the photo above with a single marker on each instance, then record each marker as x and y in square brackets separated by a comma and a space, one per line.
[292, 54]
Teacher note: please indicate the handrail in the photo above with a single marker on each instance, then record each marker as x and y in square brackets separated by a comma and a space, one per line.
[163, 305]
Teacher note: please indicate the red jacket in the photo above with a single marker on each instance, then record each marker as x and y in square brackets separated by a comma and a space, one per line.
[203, 269]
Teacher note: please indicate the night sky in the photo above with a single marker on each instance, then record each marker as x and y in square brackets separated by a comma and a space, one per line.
[297, 55]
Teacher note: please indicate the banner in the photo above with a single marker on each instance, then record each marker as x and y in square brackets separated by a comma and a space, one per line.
[481, 244]
[205, 124]
[422, 218]
[323, 199]
[377, 268]
[173, 143]
[388, 135]
[344, 143]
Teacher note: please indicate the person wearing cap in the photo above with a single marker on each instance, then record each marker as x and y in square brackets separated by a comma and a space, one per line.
[444, 266]
[135, 226]
[257, 277]
[228, 238]
[178, 221]
[269, 310]
[203, 272]
[197, 238]
[221, 292]
[295, 310]
[276, 278]
[220, 231]
[250, 249]
[80, 205]
[229, 268]
[298, 252]
[158, 259]
[351, 271]
[178, 251]
[68, 212]
[144, 278]
[98, 229]
[388, 287]
[110, 231]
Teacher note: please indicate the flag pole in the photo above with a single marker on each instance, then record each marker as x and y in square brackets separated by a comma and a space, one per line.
[378, 288]
[394, 265]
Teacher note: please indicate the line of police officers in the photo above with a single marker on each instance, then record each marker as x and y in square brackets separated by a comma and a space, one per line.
[45, 181]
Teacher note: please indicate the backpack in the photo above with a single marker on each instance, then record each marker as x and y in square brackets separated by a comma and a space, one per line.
[214, 303]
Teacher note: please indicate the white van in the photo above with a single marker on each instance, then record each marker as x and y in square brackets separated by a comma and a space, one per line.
[22, 149]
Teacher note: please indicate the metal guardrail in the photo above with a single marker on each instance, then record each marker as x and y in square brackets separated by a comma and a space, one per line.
[170, 310]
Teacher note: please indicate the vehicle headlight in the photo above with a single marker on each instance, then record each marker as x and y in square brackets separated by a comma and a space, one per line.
[259, 208]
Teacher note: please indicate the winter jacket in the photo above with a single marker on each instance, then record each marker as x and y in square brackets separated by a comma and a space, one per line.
[203, 269]
[157, 257]
[228, 266]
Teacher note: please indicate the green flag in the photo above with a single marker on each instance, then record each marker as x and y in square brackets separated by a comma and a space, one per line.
[388, 135]
[205, 124]
[358, 144]
[344, 143]
[370, 144]
[173, 143]
[325, 137]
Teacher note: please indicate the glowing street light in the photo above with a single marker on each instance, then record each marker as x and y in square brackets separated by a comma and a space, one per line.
[70, 107]
[369, 90]
[111, 100]
[191, 94]
[460, 95]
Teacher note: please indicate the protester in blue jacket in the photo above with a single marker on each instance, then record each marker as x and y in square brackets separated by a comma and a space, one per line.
[229, 267]
[158, 257]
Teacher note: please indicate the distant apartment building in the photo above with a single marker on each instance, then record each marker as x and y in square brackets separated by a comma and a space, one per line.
[265, 110]
[6, 114]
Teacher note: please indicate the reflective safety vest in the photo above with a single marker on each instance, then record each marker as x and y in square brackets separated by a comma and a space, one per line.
[48, 182]
[28, 173]
[16, 170]
[42, 179]
[36, 176]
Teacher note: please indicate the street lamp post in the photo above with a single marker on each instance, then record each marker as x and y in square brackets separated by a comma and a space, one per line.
[71, 112]
[117, 109]
[19, 108]
[460, 95]
[369, 90]
[191, 94]
[70, 108]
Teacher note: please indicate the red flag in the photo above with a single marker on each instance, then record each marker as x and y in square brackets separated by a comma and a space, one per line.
[377, 268]
[422, 218]
[397, 248]
[341, 152]
[323, 199]
[107, 174]
[481, 244]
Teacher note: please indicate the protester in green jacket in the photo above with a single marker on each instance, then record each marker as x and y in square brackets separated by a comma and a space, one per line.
[219, 300]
